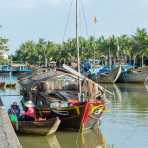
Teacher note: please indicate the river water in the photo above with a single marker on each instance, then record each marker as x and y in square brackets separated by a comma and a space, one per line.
[125, 125]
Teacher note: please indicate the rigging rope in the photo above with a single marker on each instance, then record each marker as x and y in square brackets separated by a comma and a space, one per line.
[68, 19]
[84, 16]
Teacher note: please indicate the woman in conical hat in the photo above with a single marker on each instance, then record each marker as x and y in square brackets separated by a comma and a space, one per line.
[30, 113]
[29, 104]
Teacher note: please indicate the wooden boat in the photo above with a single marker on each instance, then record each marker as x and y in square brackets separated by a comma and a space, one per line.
[74, 115]
[2, 84]
[79, 117]
[10, 85]
[107, 77]
[46, 127]
[6, 69]
[134, 76]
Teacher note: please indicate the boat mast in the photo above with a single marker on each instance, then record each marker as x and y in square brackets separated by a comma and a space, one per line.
[77, 47]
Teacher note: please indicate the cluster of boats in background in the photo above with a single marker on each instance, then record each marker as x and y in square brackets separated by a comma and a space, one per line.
[121, 73]
[7, 85]
[15, 68]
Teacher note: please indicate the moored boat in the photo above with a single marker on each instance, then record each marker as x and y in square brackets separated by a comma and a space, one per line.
[16, 69]
[81, 113]
[46, 127]
[2, 84]
[21, 69]
[62, 100]
[30, 120]
[6, 69]
[109, 76]
[80, 117]
[74, 115]
[10, 85]
[134, 76]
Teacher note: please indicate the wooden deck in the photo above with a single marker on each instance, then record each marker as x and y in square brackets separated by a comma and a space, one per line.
[8, 138]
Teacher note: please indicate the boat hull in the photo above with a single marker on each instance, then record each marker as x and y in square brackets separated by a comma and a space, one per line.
[133, 76]
[75, 117]
[2, 84]
[79, 117]
[110, 77]
[38, 127]
[11, 85]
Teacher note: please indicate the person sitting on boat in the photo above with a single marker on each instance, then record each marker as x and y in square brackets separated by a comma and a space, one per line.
[14, 114]
[14, 109]
[30, 111]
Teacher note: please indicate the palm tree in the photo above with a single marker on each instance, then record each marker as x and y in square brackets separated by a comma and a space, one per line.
[140, 39]
[4, 44]
[41, 48]
[26, 52]
[125, 48]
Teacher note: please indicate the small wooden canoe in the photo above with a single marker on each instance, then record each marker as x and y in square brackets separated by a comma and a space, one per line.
[44, 128]
[11, 85]
[2, 84]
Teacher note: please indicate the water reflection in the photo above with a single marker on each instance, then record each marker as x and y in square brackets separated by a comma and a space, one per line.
[33, 141]
[7, 78]
[13, 93]
[53, 141]
[146, 85]
[115, 92]
[126, 91]
[89, 139]
[128, 118]
[39, 141]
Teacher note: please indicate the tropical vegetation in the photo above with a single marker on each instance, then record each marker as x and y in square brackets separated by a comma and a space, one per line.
[3, 48]
[124, 48]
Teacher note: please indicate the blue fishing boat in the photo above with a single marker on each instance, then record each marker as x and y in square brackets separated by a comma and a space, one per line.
[15, 69]
[21, 68]
[101, 73]
[6, 69]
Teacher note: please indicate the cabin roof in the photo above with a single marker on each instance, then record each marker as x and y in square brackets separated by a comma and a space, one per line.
[35, 79]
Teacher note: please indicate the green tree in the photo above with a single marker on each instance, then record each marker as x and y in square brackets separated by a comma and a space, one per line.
[4, 44]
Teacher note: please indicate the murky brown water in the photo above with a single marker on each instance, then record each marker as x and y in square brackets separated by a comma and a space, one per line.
[125, 126]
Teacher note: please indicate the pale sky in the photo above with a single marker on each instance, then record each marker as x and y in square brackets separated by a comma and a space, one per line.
[22, 20]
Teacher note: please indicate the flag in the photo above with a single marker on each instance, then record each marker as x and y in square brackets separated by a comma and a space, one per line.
[94, 19]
